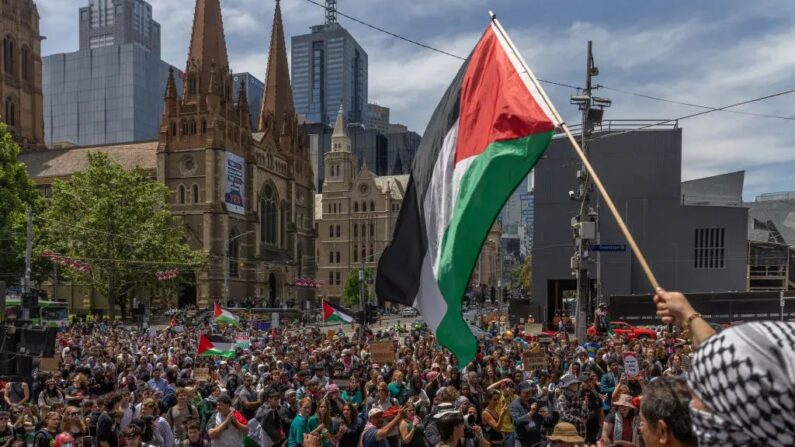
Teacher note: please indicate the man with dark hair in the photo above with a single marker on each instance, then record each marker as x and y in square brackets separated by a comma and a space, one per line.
[451, 428]
[107, 429]
[223, 428]
[529, 416]
[665, 415]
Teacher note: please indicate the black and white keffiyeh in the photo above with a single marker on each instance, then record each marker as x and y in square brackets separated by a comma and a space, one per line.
[746, 377]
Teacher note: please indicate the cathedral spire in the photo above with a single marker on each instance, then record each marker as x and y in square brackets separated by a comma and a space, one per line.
[171, 85]
[242, 103]
[207, 44]
[340, 142]
[278, 98]
[340, 131]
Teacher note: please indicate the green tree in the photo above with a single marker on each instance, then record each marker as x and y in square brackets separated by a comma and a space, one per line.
[16, 193]
[522, 275]
[350, 291]
[118, 221]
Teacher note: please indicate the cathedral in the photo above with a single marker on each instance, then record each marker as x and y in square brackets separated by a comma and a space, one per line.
[243, 195]
[21, 100]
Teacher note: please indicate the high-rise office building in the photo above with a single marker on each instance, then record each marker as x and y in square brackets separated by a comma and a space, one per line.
[111, 89]
[254, 90]
[329, 68]
[378, 118]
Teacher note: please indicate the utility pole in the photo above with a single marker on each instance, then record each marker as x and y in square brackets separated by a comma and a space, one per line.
[28, 261]
[28, 251]
[362, 302]
[584, 225]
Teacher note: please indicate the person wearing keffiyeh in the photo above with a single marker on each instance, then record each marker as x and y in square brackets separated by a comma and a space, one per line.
[742, 380]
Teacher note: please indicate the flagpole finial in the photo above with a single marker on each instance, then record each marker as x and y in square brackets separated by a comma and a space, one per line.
[492, 15]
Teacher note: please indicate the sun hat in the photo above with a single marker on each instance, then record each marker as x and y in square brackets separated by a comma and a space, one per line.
[568, 379]
[624, 400]
[565, 432]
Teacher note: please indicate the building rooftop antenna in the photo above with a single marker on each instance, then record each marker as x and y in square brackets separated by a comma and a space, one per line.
[331, 12]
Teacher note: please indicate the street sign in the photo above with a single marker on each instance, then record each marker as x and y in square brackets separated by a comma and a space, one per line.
[608, 247]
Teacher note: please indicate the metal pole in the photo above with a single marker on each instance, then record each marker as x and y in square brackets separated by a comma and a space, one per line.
[781, 303]
[28, 251]
[499, 306]
[362, 302]
[225, 298]
[583, 282]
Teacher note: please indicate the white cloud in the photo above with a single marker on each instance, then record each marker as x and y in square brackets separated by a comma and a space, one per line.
[712, 55]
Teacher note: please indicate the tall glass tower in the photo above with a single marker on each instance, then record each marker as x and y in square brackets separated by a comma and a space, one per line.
[111, 89]
[329, 68]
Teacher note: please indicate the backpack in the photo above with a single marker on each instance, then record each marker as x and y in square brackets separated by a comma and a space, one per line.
[47, 435]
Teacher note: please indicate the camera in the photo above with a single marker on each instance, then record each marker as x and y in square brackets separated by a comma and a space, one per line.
[469, 420]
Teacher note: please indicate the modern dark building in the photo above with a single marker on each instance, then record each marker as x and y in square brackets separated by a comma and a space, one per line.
[378, 118]
[254, 90]
[692, 244]
[403, 144]
[111, 89]
[329, 68]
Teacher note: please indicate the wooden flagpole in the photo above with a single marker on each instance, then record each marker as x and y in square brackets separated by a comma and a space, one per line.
[597, 181]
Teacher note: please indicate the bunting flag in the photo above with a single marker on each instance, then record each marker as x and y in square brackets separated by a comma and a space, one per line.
[332, 312]
[222, 315]
[487, 133]
[215, 346]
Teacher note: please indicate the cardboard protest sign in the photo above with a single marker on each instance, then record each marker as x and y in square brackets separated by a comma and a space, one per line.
[382, 352]
[201, 374]
[534, 359]
[533, 329]
[49, 364]
[631, 365]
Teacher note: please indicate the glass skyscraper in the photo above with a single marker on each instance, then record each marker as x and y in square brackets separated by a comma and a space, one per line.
[329, 68]
[111, 89]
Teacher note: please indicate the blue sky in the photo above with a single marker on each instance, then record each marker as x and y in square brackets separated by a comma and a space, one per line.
[705, 52]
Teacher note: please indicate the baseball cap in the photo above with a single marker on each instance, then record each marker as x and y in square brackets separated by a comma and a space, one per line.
[374, 412]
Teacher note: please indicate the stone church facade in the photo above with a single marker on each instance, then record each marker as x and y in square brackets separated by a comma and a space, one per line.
[245, 195]
[21, 100]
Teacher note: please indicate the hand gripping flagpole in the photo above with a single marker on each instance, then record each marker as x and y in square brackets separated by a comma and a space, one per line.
[597, 181]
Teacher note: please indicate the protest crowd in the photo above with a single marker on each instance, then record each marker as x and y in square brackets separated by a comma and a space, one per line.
[296, 386]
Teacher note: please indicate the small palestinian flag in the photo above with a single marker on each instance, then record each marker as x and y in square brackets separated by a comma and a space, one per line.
[487, 133]
[335, 313]
[222, 315]
[216, 346]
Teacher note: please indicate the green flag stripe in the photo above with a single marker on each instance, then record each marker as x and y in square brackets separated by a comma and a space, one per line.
[485, 187]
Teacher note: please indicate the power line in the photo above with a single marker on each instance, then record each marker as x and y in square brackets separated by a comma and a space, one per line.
[693, 115]
[422, 45]
[560, 84]
[682, 103]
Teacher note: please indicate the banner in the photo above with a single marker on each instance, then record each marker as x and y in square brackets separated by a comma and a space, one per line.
[631, 366]
[235, 183]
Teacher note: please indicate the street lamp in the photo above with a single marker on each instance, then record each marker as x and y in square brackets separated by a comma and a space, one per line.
[226, 265]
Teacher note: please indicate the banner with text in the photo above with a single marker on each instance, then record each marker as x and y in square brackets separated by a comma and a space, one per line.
[235, 183]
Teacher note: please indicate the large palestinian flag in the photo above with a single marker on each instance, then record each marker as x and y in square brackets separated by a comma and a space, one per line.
[486, 134]
[215, 345]
[222, 315]
[335, 313]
